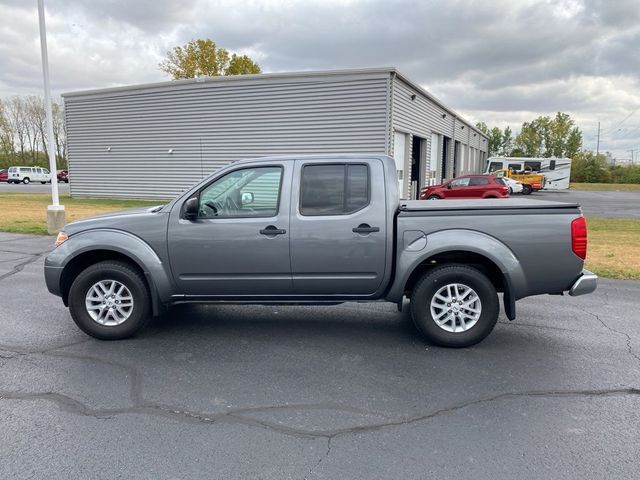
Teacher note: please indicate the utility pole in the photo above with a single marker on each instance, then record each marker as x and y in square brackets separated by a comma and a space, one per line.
[598, 143]
[632, 152]
[55, 211]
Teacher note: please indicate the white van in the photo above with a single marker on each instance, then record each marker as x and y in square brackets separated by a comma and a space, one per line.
[28, 174]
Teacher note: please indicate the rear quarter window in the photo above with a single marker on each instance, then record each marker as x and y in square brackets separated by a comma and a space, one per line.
[476, 181]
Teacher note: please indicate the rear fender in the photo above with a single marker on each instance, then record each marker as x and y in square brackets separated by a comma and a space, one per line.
[410, 256]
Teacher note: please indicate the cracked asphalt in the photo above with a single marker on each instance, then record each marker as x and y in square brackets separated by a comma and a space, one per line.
[348, 391]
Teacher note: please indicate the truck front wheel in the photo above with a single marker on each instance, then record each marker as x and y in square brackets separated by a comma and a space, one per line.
[454, 306]
[526, 189]
[110, 300]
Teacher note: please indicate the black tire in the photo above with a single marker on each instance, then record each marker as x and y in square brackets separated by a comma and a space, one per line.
[434, 280]
[510, 191]
[26, 180]
[123, 273]
[43, 183]
[526, 189]
[433, 197]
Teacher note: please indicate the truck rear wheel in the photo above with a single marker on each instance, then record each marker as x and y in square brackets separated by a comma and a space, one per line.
[110, 301]
[454, 306]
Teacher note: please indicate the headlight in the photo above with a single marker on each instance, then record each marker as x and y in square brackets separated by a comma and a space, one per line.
[62, 237]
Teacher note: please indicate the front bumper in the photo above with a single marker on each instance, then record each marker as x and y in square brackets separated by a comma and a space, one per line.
[52, 279]
[586, 283]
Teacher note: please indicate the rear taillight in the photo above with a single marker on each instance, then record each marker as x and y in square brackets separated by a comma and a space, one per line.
[579, 237]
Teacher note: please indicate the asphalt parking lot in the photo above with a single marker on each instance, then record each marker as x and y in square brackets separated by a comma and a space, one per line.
[32, 188]
[597, 203]
[348, 391]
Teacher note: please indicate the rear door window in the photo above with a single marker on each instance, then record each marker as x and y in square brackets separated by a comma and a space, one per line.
[335, 189]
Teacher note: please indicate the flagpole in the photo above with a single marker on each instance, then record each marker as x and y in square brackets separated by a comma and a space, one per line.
[55, 211]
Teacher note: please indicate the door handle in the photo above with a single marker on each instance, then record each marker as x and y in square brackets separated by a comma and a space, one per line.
[365, 228]
[272, 231]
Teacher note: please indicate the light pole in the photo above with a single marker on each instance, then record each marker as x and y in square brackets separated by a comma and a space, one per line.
[55, 211]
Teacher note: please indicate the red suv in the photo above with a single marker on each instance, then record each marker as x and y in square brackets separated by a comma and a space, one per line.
[469, 186]
[4, 175]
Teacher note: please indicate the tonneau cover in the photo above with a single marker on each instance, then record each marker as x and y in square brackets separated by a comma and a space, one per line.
[482, 204]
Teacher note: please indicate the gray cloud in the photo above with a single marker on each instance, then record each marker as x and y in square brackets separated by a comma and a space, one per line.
[499, 61]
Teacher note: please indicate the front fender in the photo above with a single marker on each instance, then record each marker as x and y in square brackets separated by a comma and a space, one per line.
[119, 241]
[409, 257]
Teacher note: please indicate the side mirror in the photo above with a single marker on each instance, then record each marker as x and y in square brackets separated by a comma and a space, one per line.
[247, 198]
[449, 186]
[191, 208]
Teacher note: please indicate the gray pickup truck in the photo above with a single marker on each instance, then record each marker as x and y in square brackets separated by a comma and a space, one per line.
[320, 229]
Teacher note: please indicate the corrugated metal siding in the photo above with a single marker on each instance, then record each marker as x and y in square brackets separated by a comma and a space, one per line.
[422, 117]
[119, 142]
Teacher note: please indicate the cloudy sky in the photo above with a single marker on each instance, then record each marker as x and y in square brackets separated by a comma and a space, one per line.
[499, 61]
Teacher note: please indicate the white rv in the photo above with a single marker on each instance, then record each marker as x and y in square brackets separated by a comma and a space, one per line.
[556, 170]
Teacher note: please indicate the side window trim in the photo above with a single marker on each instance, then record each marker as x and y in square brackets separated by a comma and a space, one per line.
[346, 188]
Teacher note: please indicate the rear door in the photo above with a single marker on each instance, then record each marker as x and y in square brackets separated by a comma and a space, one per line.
[338, 227]
[477, 187]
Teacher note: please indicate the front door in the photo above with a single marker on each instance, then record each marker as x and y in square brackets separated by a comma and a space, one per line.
[238, 245]
[459, 188]
[338, 227]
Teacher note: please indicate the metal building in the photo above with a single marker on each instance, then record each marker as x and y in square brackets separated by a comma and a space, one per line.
[154, 140]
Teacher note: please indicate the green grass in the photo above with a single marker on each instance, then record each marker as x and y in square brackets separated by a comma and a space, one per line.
[614, 247]
[27, 212]
[609, 187]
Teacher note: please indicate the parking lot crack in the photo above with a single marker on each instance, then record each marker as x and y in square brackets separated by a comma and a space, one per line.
[20, 266]
[617, 332]
[71, 405]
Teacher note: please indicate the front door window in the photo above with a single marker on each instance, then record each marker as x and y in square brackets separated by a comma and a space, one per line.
[250, 192]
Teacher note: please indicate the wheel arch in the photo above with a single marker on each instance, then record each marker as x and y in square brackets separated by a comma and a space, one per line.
[87, 248]
[464, 247]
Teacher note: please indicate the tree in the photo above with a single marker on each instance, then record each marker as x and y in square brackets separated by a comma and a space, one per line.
[500, 142]
[506, 145]
[6, 132]
[549, 137]
[589, 167]
[204, 58]
[529, 140]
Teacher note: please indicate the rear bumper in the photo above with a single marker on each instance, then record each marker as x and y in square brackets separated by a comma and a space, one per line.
[586, 283]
